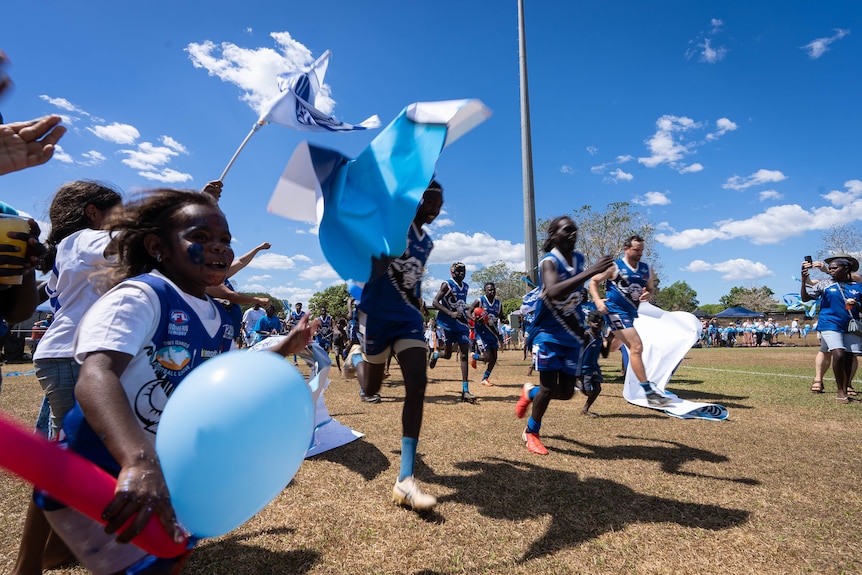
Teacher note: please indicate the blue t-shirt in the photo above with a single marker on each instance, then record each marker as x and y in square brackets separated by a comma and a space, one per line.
[267, 324]
[834, 315]
[590, 356]
[397, 293]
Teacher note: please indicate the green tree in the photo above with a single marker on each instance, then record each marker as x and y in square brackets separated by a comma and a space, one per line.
[509, 283]
[511, 305]
[711, 309]
[678, 296]
[754, 298]
[334, 298]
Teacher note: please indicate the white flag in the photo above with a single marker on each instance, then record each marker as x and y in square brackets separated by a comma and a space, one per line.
[296, 107]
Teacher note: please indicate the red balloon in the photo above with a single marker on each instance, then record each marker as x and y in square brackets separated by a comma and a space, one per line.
[72, 480]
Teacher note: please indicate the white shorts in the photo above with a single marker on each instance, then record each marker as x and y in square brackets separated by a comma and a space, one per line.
[830, 340]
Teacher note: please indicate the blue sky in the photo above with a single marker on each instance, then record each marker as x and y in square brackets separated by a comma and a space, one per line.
[735, 125]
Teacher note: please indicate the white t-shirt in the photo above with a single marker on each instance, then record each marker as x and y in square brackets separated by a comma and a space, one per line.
[70, 289]
[125, 320]
[250, 318]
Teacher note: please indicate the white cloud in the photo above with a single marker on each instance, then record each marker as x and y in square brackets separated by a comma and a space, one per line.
[722, 126]
[173, 144]
[480, 248]
[732, 270]
[255, 70]
[709, 54]
[567, 169]
[61, 155]
[260, 278]
[663, 145]
[757, 178]
[271, 261]
[839, 198]
[63, 104]
[819, 46]
[625, 158]
[318, 272]
[776, 223]
[691, 168]
[117, 133]
[93, 158]
[702, 45]
[652, 199]
[302, 258]
[592, 150]
[441, 223]
[165, 175]
[769, 195]
[619, 176]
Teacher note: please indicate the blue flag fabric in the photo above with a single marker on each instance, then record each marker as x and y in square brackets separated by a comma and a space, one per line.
[365, 205]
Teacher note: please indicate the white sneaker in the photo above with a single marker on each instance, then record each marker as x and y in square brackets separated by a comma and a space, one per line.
[407, 492]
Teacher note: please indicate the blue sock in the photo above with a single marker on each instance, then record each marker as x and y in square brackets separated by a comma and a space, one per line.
[465, 386]
[476, 356]
[533, 392]
[533, 426]
[487, 375]
[646, 386]
[408, 456]
[436, 354]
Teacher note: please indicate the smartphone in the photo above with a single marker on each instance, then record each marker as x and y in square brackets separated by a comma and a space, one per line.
[808, 259]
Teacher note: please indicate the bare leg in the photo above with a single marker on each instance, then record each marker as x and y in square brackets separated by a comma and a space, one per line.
[412, 361]
[821, 365]
[630, 338]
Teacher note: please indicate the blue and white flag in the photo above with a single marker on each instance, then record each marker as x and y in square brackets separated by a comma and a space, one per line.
[364, 206]
[297, 105]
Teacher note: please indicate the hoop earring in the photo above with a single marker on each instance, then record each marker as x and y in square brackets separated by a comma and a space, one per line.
[159, 258]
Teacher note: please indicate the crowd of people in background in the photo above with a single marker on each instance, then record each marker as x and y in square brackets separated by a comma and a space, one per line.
[754, 333]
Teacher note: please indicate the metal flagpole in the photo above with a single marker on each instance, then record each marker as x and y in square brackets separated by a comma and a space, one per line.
[530, 242]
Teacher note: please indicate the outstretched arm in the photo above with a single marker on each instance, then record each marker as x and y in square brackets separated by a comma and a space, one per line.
[558, 290]
[245, 259]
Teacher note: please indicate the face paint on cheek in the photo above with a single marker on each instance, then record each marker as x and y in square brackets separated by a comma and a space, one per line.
[196, 254]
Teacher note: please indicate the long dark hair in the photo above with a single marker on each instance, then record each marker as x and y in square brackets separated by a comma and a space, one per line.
[152, 213]
[68, 212]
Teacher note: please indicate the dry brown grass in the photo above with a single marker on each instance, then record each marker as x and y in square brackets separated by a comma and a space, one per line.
[772, 490]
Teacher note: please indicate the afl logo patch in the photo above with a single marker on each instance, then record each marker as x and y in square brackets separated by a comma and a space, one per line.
[179, 317]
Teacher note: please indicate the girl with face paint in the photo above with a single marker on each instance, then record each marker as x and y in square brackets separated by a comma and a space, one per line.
[135, 346]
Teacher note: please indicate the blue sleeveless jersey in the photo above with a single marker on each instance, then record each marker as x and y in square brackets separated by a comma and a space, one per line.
[455, 300]
[590, 355]
[181, 342]
[560, 322]
[491, 328]
[624, 290]
[397, 293]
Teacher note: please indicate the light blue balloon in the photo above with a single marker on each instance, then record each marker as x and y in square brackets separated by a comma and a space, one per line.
[231, 438]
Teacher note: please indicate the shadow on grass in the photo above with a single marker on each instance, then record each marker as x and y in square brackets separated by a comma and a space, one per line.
[358, 456]
[579, 510]
[233, 556]
[672, 455]
[706, 397]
